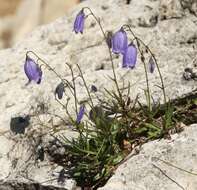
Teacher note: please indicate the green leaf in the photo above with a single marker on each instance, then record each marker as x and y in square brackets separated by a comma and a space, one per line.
[117, 159]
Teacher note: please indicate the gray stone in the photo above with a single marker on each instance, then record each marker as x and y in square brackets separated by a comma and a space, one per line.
[16, 185]
[142, 171]
[191, 5]
[170, 9]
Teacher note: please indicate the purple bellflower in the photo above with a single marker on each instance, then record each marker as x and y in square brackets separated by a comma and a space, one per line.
[80, 114]
[151, 64]
[60, 90]
[119, 41]
[32, 70]
[130, 57]
[79, 22]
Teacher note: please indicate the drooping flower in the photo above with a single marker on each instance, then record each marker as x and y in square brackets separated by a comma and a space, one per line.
[60, 90]
[130, 57]
[94, 88]
[119, 41]
[80, 114]
[79, 22]
[32, 70]
[151, 64]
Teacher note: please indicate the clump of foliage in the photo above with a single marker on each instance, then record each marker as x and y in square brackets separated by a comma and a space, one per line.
[113, 125]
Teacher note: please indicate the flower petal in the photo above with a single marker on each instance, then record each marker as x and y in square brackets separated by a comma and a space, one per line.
[79, 22]
[32, 70]
[119, 41]
[80, 114]
[130, 57]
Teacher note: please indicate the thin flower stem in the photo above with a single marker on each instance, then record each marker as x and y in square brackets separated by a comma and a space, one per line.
[51, 69]
[147, 81]
[149, 50]
[111, 58]
[145, 69]
[74, 87]
[81, 75]
[160, 75]
[66, 108]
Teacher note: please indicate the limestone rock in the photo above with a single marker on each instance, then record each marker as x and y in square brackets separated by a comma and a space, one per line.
[142, 171]
[15, 185]
[170, 9]
[191, 5]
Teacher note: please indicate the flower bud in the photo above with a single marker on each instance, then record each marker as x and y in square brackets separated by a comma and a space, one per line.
[151, 64]
[94, 88]
[80, 114]
[60, 90]
[109, 39]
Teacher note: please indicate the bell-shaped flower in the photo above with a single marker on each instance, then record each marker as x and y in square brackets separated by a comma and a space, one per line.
[60, 90]
[79, 22]
[151, 64]
[32, 70]
[80, 114]
[130, 57]
[119, 41]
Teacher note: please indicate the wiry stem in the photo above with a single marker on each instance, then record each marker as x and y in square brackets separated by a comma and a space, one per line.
[66, 109]
[81, 75]
[158, 69]
[66, 82]
[74, 87]
[147, 81]
[153, 56]
[145, 69]
[111, 58]
[49, 67]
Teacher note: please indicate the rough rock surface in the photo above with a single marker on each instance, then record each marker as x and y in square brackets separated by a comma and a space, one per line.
[141, 172]
[169, 29]
[13, 185]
